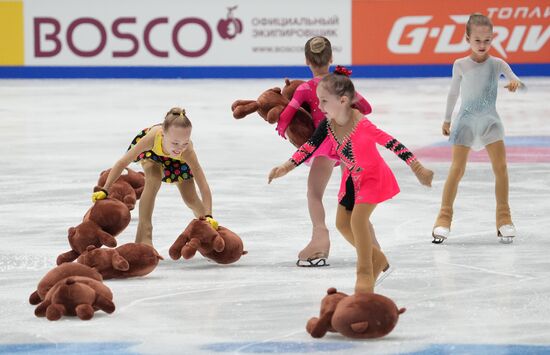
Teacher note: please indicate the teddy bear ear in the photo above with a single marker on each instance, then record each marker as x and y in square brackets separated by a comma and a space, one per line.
[331, 290]
[90, 247]
[119, 263]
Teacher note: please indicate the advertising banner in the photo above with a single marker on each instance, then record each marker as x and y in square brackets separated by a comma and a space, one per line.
[11, 33]
[432, 31]
[175, 33]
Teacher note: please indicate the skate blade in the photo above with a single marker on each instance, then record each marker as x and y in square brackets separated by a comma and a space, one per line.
[438, 239]
[384, 275]
[319, 262]
[505, 240]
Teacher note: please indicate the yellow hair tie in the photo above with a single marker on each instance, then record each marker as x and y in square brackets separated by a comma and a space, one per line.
[181, 114]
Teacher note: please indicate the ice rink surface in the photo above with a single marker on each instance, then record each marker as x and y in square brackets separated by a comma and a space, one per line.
[470, 295]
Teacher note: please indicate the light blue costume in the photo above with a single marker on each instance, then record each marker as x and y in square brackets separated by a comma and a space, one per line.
[477, 123]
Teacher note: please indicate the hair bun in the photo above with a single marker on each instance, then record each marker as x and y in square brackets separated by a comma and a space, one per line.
[317, 45]
[177, 111]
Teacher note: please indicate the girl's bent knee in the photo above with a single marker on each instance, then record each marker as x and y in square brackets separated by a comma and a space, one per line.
[342, 227]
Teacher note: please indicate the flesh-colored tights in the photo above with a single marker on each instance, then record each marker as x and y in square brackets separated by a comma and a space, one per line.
[357, 229]
[497, 154]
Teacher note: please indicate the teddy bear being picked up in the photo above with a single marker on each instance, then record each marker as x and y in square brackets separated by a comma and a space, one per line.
[232, 251]
[269, 106]
[127, 188]
[221, 245]
[104, 220]
[127, 260]
[362, 316]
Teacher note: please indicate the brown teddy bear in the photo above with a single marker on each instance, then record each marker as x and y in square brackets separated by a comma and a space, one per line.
[269, 106]
[232, 251]
[127, 188]
[360, 316]
[76, 296]
[365, 316]
[127, 260]
[222, 245]
[103, 221]
[60, 272]
[199, 234]
[318, 327]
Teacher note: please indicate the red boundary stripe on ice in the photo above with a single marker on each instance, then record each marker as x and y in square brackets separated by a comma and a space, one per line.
[513, 154]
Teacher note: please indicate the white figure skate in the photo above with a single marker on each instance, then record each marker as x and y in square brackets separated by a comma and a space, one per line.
[506, 233]
[440, 234]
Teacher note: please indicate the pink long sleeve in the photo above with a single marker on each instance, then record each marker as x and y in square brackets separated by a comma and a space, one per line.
[299, 97]
[370, 131]
[362, 104]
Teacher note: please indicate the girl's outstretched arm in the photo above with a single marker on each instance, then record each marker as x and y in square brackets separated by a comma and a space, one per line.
[513, 81]
[309, 147]
[424, 176]
[299, 97]
[280, 171]
[361, 104]
[191, 159]
[304, 152]
[144, 144]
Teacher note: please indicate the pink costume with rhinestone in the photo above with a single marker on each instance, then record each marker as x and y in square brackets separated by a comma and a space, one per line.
[307, 93]
[373, 181]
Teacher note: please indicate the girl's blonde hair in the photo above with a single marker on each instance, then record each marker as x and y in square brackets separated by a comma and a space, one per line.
[339, 85]
[176, 117]
[477, 19]
[318, 51]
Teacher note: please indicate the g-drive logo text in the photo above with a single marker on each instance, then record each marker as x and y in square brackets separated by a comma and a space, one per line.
[409, 34]
[125, 37]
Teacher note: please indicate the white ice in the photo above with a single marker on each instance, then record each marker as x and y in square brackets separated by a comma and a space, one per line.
[468, 295]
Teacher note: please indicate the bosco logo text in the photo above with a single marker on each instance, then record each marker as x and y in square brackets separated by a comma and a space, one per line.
[48, 32]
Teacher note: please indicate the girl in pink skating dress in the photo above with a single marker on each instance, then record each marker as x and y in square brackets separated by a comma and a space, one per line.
[367, 180]
[318, 54]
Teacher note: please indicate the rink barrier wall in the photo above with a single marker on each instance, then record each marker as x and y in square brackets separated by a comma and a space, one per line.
[186, 39]
[239, 72]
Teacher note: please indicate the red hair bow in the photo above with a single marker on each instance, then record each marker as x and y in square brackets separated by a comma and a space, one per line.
[342, 70]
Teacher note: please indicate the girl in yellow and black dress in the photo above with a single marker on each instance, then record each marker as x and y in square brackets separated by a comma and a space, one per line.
[166, 154]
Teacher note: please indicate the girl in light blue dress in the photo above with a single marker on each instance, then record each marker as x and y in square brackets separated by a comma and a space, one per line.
[477, 124]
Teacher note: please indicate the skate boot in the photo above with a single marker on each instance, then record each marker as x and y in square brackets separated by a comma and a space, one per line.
[505, 228]
[442, 225]
[315, 254]
[440, 234]
[506, 233]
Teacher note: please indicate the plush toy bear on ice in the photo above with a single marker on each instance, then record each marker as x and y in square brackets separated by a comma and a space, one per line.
[103, 221]
[76, 296]
[318, 327]
[269, 106]
[127, 188]
[60, 272]
[221, 245]
[232, 251]
[363, 316]
[127, 260]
